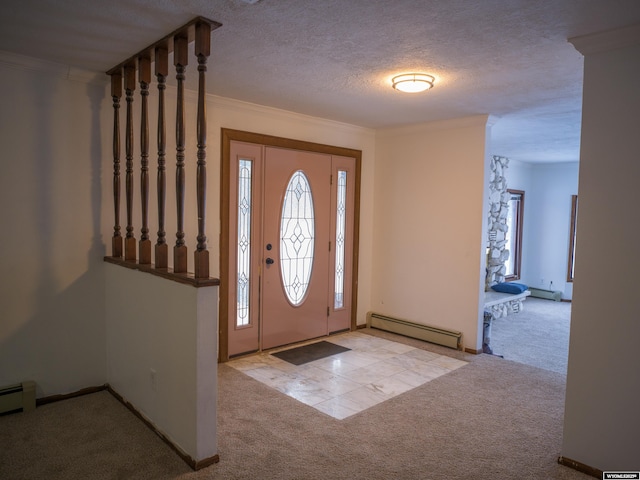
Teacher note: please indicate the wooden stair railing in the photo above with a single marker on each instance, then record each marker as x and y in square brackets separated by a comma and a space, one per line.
[199, 31]
[144, 77]
[129, 88]
[180, 61]
[202, 51]
[116, 93]
[162, 70]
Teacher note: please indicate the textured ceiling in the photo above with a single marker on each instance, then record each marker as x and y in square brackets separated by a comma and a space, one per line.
[334, 58]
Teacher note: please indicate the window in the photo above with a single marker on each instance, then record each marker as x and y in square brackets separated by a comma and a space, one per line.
[244, 242]
[297, 238]
[572, 238]
[514, 234]
[341, 223]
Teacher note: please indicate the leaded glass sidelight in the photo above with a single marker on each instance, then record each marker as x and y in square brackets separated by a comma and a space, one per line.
[297, 238]
[244, 242]
[341, 221]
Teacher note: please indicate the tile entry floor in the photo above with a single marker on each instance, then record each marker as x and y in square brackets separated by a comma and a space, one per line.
[374, 370]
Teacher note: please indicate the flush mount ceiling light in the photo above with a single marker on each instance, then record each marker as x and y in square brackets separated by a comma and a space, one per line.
[413, 82]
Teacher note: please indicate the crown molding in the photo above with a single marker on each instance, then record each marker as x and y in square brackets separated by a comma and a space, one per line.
[257, 110]
[608, 40]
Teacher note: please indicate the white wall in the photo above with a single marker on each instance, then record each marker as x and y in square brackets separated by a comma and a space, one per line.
[547, 218]
[52, 297]
[519, 175]
[428, 257]
[601, 422]
[162, 355]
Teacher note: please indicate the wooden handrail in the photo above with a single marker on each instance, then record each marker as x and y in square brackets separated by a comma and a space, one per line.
[185, 278]
[188, 29]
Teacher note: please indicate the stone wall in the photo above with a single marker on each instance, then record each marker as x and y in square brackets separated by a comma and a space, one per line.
[506, 308]
[497, 254]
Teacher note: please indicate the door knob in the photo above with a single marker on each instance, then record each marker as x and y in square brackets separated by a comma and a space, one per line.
[270, 261]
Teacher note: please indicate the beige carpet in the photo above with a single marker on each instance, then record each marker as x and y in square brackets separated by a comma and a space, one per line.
[537, 336]
[492, 419]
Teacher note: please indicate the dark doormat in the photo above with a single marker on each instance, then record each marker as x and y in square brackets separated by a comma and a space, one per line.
[309, 353]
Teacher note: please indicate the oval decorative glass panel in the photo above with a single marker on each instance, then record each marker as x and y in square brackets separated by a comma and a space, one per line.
[297, 238]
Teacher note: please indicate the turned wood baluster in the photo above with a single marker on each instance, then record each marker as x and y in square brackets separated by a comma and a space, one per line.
[162, 70]
[130, 86]
[116, 93]
[144, 77]
[202, 51]
[180, 61]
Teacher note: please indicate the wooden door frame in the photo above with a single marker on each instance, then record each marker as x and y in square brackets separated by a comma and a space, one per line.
[226, 137]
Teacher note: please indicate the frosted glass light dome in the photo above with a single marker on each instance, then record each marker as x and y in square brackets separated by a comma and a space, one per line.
[413, 82]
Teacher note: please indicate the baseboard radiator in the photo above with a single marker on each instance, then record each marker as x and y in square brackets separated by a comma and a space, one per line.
[548, 294]
[440, 336]
[19, 397]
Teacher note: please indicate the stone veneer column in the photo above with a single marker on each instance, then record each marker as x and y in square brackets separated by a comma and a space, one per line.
[506, 308]
[497, 254]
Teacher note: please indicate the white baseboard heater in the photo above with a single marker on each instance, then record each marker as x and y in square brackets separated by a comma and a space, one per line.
[544, 293]
[440, 336]
[21, 396]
